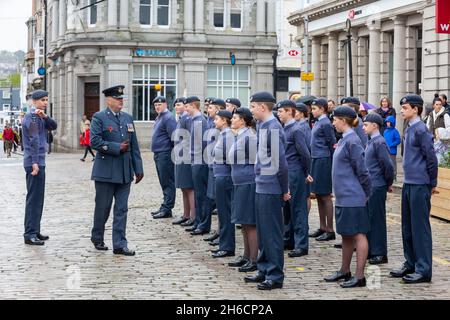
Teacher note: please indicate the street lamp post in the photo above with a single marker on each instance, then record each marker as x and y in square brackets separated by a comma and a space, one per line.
[348, 27]
[45, 44]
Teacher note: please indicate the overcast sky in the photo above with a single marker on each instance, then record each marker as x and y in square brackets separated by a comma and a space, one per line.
[13, 31]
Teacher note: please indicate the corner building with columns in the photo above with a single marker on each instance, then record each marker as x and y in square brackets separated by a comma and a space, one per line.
[395, 49]
[186, 46]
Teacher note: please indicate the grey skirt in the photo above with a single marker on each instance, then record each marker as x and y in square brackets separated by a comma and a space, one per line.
[321, 173]
[183, 176]
[243, 204]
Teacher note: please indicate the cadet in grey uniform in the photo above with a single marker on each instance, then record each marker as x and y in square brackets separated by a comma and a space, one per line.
[118, 159]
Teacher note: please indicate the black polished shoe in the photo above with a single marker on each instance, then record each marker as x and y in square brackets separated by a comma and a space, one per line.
[401, 272]
[212, 237]
[338, 245]
[163, 215]
[198, 232]
[222, 254]
[378, 260]
[214, 242]
[180, 220]
[327, 236]
[269, 285]
[214, 212]
[187, 223]
[155, 212]
[339, 275]
[124, 251]
[239, 262]
[42, 237]
[415, 278]
[297, 253]
[354, 282]
[248, 267]
[100, 246]
[316, 233]
[34, 242]
[215, 250]
[191, 228]
[256, 278]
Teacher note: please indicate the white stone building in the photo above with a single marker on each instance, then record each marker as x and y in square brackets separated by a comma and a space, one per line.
[395, 49]
[183, 45]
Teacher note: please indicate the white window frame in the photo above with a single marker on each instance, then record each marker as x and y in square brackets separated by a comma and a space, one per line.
[92, 25]
[235, 83]
[6, 94]
[227, 14]
[154, 5]
[234, 10]
[224, 12]
[169, 9]
[151, 14]
[6, 106]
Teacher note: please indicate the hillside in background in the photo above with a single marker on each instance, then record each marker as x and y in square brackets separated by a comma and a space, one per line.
[10, 62]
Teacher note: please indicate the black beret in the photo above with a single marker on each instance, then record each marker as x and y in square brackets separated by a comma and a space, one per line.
[301, 107]
[374, 118]
[350, 100]
[320, 102]
[411, 99]
[159, 99]
[191, 99]
[344, 111]
[115, 92]
[208, 100]
[225, 114]
[285, 104]
[178, 100]
[244, 113]
[39, 94]
[234, 101]
[218, 102]
[263, 97]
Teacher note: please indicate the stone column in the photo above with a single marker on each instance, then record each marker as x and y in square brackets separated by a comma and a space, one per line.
[399, 86]
[62, 18]
[112, 13]
[315, 66]
[124, 5]
[55, 16]
[374, 63]
[199, 16]
[332, 76]
[188, 16]
[271, 17]
[260, 17]
[70, 16]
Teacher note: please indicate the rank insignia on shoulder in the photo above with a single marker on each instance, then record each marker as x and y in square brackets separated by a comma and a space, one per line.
[130, 127]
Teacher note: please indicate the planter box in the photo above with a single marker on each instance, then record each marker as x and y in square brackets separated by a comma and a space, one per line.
[440, 203]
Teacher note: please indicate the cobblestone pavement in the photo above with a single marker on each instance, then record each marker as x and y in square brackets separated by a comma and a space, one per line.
[169, 264]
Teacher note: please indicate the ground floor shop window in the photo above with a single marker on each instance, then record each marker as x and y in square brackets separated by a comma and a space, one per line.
[145, 77]
[229, 82]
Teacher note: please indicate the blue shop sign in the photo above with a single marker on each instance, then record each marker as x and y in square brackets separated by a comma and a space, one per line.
[155, 53]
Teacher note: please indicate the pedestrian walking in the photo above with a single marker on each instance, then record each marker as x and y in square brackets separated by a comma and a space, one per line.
[8, 139]
[87, 143]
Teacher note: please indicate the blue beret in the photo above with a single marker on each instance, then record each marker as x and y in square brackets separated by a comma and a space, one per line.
[301, 107]
[234, 101]
[115, 92]
[306, 99]
[411, 99]
[208, 100]
[374, 118]
[263, 97]
[320, 102]
[344, 111]
[285, 104]
[178, 100]
[159, 99]
[191, 99]
[218, 102]
[350, 100]
[39, 94]
[244, 113]
[225, 113]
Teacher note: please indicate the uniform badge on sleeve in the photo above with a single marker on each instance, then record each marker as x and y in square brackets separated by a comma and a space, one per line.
[130, 127]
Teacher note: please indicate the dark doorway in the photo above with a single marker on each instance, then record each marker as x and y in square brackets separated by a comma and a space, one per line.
[91, 98]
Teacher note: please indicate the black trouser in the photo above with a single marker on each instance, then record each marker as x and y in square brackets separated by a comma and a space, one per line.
[88, 148]
[34, 202]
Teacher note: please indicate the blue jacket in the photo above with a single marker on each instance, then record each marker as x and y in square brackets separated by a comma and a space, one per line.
[359, 130]
[271, 166]
[303, 125]
[322, 138]
[351, 181]
[391, 135]
[221, 166]
[107, 133]
[298, 156]
[181, 139]
[420, 165]
[34, 138]
[379, 163]
[165, 124]
[243, 157]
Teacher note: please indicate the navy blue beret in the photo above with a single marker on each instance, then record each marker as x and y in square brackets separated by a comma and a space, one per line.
[191, 99]
[320, 102]
[374, 118]
[218, 102]
[350, 100]
[412, 99]
[225, 113]
[115, 92]
[306, 99]
[344, 111]
[39, 94]
[244, 113]
[301, 107]
[285, 104]
[178, 100]
[234, 101]
[159, 99]
[263, 97]
[208, 100]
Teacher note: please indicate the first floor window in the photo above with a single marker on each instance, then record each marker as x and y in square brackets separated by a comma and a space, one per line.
[92, 12]
[145, 12]
[229, 82]
[145, 76]
[163, 12]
